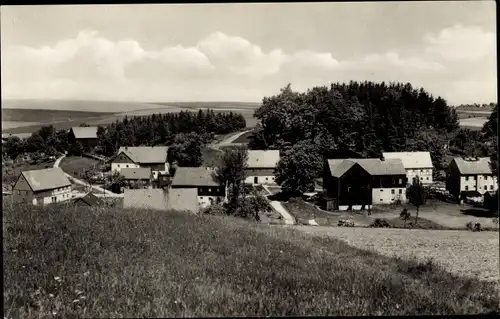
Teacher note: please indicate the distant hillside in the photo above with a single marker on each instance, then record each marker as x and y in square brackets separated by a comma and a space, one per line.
[77, 105]
[42, 115]
[211, 105]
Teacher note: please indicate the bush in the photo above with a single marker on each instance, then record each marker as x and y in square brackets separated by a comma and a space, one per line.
[214, 209]
[474, 227]
[346, 223]
[380, 223]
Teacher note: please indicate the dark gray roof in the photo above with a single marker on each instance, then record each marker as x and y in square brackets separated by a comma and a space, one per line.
[91, 199]
[136, 173]
[373, 166]
[194, 176]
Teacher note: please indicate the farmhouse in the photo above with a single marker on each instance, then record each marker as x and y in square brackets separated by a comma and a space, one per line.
[261, 165]
[40, 187]
[87, 136]
[88, 200]
[417, 165]
[465, 175]
[153, 157]
[201, 179]
[139, 177]
[360, 183]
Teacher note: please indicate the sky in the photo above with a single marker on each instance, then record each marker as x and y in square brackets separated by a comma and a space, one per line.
[243, 52]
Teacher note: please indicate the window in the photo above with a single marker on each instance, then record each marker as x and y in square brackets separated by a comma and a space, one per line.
[201, 197]
[209, 190]
[381, 200]
[400, 181]
[400, 191]
[54, 199]
[267, 178]
[381, 190]
[486, 177]
[491, 186]
[485, 187]
[199, 190]
[466, 187]
[118, 165]
[393, 191]
[466, 178]
[427, 178]
[126, 166]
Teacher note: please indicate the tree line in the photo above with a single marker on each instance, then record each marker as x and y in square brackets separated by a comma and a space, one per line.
[360, 120]
[184, 131]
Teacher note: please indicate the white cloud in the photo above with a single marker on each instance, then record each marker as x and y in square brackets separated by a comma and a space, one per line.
[224, 67]
[459, 43]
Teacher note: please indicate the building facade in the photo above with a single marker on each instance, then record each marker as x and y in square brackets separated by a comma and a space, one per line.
[261, 165]
[154, 157]
[470, 175]
[200, 178]
[417, 165]
[42, 187]
[355, 184]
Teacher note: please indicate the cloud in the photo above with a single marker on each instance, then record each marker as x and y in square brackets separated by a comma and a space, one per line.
[459, 43]
[226, 67]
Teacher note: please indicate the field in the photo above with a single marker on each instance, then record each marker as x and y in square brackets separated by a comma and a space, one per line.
[76, 165]
[27, 116]
[462, 253]
[121, 263]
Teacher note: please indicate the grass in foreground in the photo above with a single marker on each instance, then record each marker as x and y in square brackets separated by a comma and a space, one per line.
[109, 263]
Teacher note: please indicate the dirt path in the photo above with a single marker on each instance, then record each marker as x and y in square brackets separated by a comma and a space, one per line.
[80, 182]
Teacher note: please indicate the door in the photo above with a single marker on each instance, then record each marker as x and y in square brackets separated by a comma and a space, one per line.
[256, 180]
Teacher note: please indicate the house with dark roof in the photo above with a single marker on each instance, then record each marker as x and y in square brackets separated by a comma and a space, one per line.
[470, 177]
[137, 177]
[201, 179]
[41, 187]
[354, 184]
[261, 165]
[88, 200]
[153, 157]
[87, 136]
[417, 165]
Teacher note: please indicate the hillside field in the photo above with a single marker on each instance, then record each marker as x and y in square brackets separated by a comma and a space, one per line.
[27, 116]
[72, 262]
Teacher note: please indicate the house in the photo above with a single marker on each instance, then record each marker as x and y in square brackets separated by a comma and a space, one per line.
[470, 175]
[261, 165]
[133, 176]
[361, 183]
[87, 136]
[43, 186]
[416, 164]
[88, 200]
[201, 179]
[154, 157]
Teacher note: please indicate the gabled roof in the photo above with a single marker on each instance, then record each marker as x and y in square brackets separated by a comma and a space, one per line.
[411, 159]
[373, 166]
[263, 159]
[84, 132]
[91, 200]
[46, 179]
[473, 167]
[136, 173]
[146, 154]
[194, 176]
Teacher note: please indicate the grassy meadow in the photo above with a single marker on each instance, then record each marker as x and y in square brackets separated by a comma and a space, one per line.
[66, 261]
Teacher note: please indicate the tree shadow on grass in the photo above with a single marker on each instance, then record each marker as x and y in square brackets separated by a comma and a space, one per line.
[477, 212]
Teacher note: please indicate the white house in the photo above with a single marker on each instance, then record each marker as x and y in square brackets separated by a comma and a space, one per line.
[41, 187]
[201, 179]
[416, 164]
[469, 176]
[261, 165]
[154, 157]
